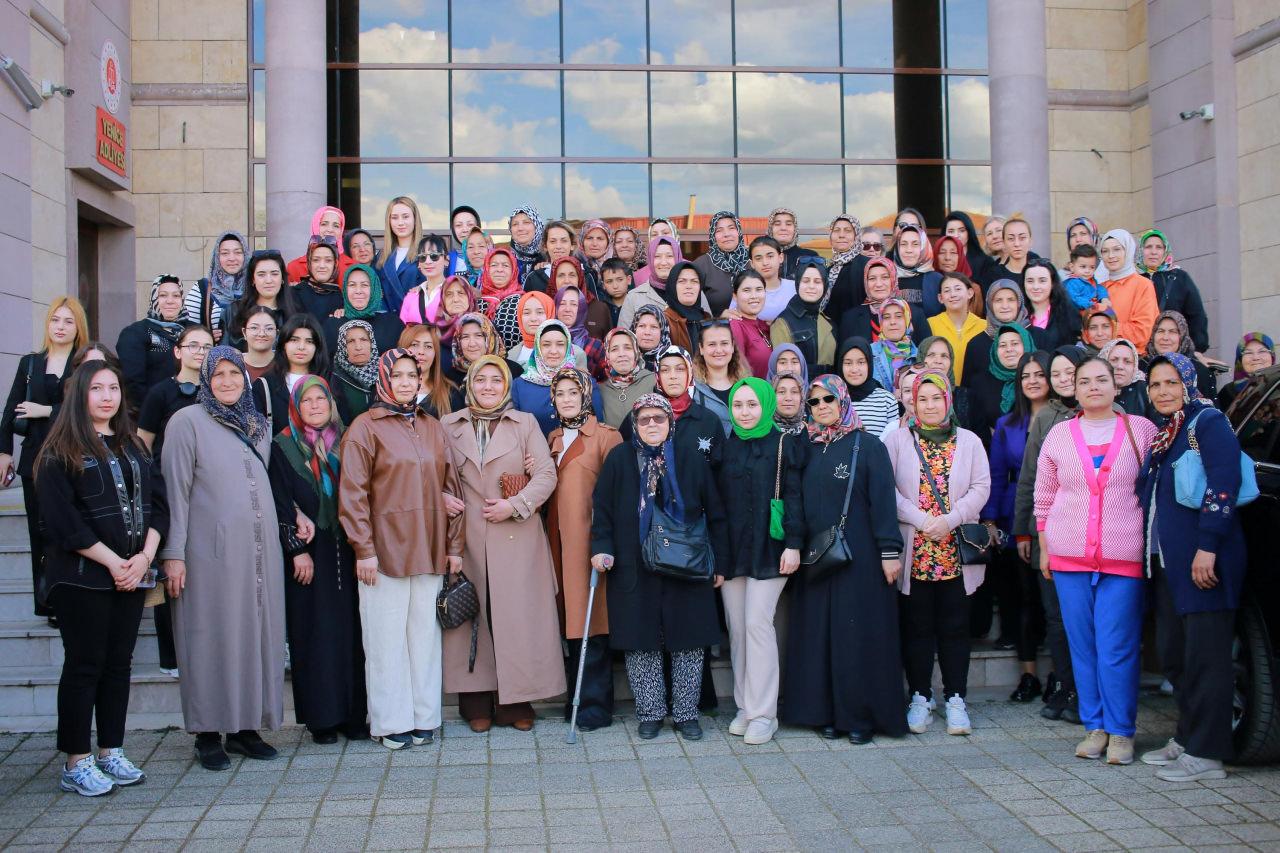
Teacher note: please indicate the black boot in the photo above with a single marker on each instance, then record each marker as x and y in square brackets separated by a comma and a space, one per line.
[249, 744]
[1028, 689]
[210, 752]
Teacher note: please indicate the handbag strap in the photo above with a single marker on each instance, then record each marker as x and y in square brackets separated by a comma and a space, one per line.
[853, 470]
[1132, 441]
[924, 469]
[1191, 432]
[777, 477]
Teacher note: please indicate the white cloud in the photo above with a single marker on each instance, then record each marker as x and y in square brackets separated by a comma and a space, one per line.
[969, 106]
[398, 43]
[581, 195]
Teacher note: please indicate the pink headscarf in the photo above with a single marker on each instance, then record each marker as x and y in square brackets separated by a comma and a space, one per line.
[342, 224]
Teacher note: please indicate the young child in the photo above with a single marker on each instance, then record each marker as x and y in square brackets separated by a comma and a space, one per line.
[1085, 293]
[616, 282]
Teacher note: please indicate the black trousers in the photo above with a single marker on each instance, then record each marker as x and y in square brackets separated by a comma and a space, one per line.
[1031, 621]
[1055, 633]
[1196, 652]
[36, 538]
[99, 629]
[164, 634]
[595, 705]
[935, 619]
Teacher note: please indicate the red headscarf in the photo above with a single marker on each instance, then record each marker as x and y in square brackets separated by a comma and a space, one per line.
[963, 266]
[577, 267]
[489, 291]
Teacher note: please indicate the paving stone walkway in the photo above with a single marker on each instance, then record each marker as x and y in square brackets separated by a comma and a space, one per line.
[1013, 785]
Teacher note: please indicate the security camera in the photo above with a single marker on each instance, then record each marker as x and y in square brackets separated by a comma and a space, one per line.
[1205, 112]
[21, 83]
[48, 89]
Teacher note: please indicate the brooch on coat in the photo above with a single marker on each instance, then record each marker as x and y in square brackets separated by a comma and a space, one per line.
[704, 443]
[841, 471]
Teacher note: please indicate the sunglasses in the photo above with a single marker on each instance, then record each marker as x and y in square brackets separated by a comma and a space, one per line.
[715, 324]
[430, 256]
[650, 420]
[818, 401]
[873, 247]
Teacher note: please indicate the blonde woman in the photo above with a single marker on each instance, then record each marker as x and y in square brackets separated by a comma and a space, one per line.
[396, 262]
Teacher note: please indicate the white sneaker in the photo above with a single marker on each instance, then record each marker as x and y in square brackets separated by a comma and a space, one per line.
[172, 673]
[1165, 755]
[957, 717]
[1188, 768]
[738, 727]
[919, 714]
[760, 730]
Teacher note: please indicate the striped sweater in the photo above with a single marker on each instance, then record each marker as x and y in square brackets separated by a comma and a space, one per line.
[876, 410]
[1092, 520]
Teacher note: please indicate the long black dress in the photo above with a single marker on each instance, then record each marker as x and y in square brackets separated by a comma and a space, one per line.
[843, 661]
[322, 618]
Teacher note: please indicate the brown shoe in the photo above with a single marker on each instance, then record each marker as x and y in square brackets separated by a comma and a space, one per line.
[1120, 750]
[522, 725]
[480, 724]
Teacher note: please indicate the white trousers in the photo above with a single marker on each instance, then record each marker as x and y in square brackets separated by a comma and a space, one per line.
[749, 607]
[402, 653]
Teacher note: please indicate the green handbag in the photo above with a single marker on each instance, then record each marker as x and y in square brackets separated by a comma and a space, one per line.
[775, 505]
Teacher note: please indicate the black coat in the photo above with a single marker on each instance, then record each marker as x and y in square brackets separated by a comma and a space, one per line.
[45, 389]
[352, 400]
[843, 662]
[984, 392]
[1063, 329]
[146, 357]
[386, 331]
[317, 303]
[1176, 291]
[697, 429]
[647, 611]
[276, 394]
[849, 289]
[977, 357]
[748, 474]
[856, 323]
[792, 258]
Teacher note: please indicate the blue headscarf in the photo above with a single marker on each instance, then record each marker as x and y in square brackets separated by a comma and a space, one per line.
[773, 363]
[241, 416]
[658, 480]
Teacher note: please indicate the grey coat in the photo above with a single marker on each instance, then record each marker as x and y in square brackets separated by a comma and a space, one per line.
[228, 623]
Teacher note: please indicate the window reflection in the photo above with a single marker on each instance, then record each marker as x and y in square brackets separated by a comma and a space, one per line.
[506, 114]
[870, 192]
[966, 26]
[260, 114]
[604, 31]
[363, 191]
[788, 115]
[605, 114]
[259, 196]
[969, 189]
[389, 114]
[692, 114]
[603, 190]
[506, 31]
[968, 119]
[813, 192]
[259, 31]
[868, 116]
[867, 26]
[672, 186]
[496, 189]
[390, 31]
[690, 32]
[786, 32]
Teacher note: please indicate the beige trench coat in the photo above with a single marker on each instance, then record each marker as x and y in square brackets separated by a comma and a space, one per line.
[522, 659]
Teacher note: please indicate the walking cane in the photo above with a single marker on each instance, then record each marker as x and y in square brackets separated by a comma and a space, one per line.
[572, 736]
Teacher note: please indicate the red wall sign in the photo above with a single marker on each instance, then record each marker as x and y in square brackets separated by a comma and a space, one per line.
[110, 142]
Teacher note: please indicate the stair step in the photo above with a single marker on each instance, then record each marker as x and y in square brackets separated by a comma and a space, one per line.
[13, 524]
[33, 643]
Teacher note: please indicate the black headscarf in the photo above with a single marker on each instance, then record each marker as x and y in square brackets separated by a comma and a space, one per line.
[693, 315]
[1076, 356]
[860, 392]
[802, 317]
[972, 246]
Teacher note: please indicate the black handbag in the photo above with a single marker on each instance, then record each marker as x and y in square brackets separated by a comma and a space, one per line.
[679, 550]
[976, 543]
[457, 602]
[826, 552]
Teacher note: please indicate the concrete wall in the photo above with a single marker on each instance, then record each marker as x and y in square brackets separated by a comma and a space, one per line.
[191, 136]
[1258, 117]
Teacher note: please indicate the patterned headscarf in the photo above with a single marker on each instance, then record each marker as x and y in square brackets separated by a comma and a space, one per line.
[492, 343]
[1008, 375]
[171, 329]
[1166, 263]
[848, 420]
[528, 336]
[491, 293]
[387, 397]
[1087, 338]
[650, 357]
[927, 344]
[241, 416]
[839, 259]
[592, 225]
[573, 261]
[1094, 240]
[962, 263]
[225, 287]
[470, 273]
[333, 282]
[1241, 376]
[614, 379]
[924, 264]
[317, 446]
[947, 428]
[1185, 344]
[538, 372]
[479, 412]
[681, 401]
[578, 328]
[793, 425]
[375, 305]
[773, 363]
[1112, 346]
[639, 259]
[893, 280]
[675, 232]
[731, 262]
[900, 352]
[528, 253]
[364, 375]
[658, 478]
[1125, 239]
[583, 382]
[768, 406]
[1011, 286]
[441, 318]
[1192, 403]
[795, 238]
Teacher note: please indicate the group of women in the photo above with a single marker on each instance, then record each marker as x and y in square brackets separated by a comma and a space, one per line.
[315, 454]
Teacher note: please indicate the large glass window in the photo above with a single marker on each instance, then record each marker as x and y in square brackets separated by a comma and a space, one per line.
[604, 31]
[788, 115]
[401, 113]
[968, 123]
[505, 30]
[496, 189]
[363, 191]
[620, 188]
[690, 32]
[705, 189]
[867, 27]
[390, 31]
[506, 113]
[786, 32]
[813, 192]
[606, 114]
[868, 116]
[692, 114]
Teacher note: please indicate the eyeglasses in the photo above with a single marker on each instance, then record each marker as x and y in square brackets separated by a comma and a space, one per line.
[872, 247]
[430, 256]
[651, 420]
[195, 349]
[818, 401]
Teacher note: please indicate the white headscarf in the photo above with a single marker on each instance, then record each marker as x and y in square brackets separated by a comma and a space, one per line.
[1125, 239]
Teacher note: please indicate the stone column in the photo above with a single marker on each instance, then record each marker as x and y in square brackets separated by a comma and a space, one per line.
[1019, 113]
[296, 120]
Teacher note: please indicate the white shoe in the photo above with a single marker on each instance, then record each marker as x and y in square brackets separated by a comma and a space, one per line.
[172, 673]
[919, 714]
[957, 717]
[1166, 687]
[1165, 755]
[760, 730]
[738, 727]
[1188, 768]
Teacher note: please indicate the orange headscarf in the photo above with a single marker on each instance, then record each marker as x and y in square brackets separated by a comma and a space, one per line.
[548, 305]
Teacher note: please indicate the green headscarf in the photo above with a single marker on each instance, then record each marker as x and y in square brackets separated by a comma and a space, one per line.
[375, 305]
[1008, 375]
[768, 405]
[1166, 263]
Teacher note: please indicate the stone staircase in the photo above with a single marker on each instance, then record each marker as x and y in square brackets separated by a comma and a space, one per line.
[31, 654]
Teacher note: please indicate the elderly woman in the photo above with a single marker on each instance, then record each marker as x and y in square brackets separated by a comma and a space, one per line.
[579, 447]
[991, 392]
[1175, 289]
[1197, 558]
[1255, 352]
[844, 671]
[223, 564]
[1131, 383]
[1096, 555]
[1171, 335]
[726, 257]
[507, 474]
[1004, 304]
[943, 481]
[396, 467]
[644, 483]
[362, 300]
[320, 604]
[626, 377]
[355, 370]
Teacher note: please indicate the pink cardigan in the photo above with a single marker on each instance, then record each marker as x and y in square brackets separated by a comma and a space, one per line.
[968, 487]
[1092, 522]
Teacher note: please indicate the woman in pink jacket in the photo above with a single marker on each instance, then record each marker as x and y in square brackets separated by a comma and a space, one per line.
[1091, 539]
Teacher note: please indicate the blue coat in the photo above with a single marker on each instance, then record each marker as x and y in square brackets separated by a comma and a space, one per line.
[397, 281]
[535, 399]
[1008, 444]
[1214, 527]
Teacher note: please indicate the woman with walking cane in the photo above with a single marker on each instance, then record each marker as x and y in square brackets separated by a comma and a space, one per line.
[578, 447]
